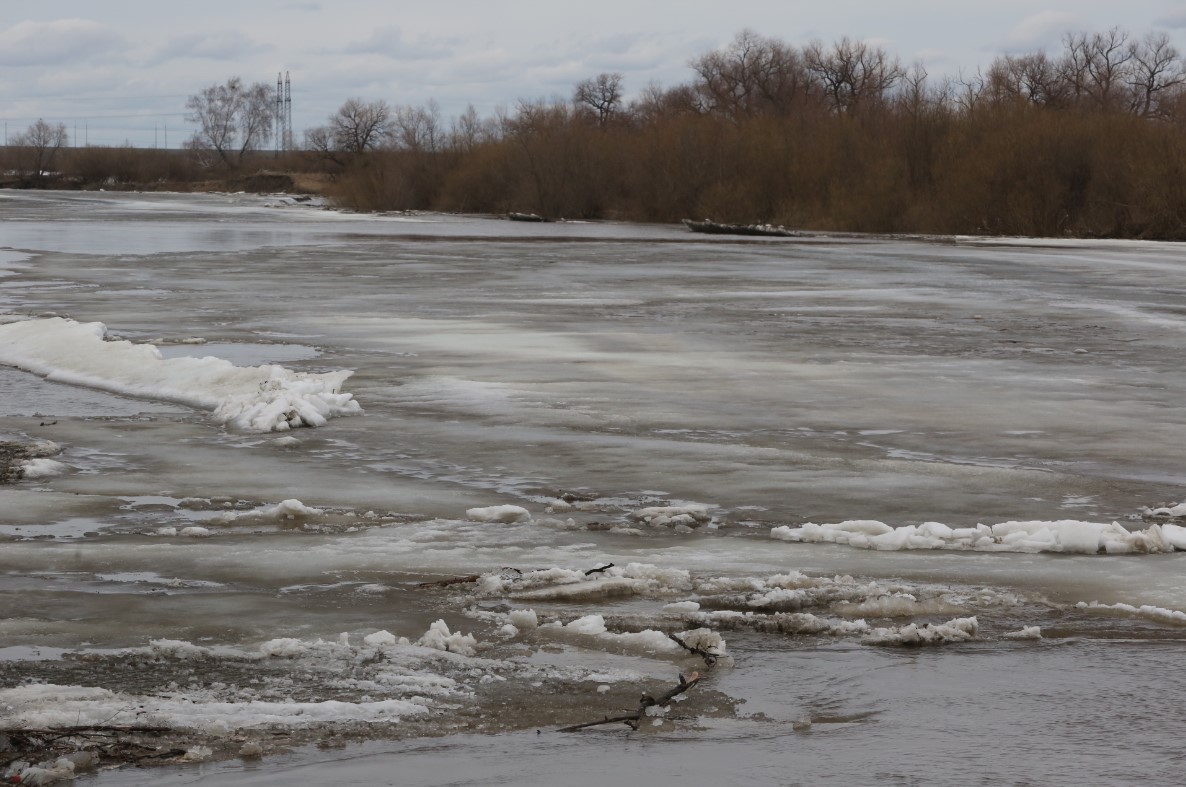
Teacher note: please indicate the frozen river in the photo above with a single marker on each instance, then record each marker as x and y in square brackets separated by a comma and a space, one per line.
[885, 471]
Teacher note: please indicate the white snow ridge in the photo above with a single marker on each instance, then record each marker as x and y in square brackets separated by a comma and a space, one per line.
[265, 398]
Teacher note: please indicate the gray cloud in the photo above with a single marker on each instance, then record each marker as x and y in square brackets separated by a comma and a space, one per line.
[60, 42]
[1175, 19]
[219, 45]
[1043, 29]
[390, 41]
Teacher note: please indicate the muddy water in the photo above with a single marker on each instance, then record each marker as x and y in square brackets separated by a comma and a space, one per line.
[818, 379]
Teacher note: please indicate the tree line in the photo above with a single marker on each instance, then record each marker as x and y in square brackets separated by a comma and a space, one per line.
[1089, 141]
[1086, 141]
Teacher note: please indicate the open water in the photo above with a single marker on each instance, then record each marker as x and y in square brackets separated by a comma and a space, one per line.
[756, 383]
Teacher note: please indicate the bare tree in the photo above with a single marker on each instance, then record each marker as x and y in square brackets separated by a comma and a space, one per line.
[40, 143]
[852, 73]
[232, 119]
[1157, 72]
[914, 96]
[468, 131]
[320, 139]
[1097, 66]
[753, 75]
[1032, 78]
[417, 128]
[655, 103]
[359, 126]
[602, 94]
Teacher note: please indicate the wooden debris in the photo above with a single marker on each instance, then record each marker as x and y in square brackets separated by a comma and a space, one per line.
[106, 742]
[709, 658]
[442, 583]
[633, 720]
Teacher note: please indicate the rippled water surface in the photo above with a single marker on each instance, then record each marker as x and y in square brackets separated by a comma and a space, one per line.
[759, 382]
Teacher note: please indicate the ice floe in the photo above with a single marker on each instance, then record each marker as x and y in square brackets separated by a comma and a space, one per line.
[1159, 614]
[1026, 632]
[591, 631]
[47, 706]
[1175, 511]
[42, 468]
[1037, 536]
[679, 518]
[562, 584]
[438, 637]
[265, 398]
[507, 514]
[286, 510]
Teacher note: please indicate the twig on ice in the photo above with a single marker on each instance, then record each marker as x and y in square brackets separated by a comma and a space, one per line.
[632, 720]
[709, 658]
[442, 583]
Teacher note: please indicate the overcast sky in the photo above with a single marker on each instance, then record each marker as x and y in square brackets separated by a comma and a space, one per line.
[120, 70]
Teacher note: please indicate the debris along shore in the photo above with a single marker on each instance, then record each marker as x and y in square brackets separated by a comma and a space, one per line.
[175, 701]
[716, 228]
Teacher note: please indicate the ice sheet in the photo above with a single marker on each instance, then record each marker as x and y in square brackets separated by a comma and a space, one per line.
[257, 398]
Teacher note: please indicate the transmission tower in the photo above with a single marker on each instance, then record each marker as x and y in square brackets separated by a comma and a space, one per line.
[283, 112]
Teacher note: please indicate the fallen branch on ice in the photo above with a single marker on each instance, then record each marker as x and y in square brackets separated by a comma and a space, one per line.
[632, 720]
[709, 658]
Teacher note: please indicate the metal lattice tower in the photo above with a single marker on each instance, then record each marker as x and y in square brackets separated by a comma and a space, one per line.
[283, 112]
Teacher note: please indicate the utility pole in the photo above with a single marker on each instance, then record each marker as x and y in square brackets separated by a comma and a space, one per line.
[287, 112]
[278, 114]
[283, 112]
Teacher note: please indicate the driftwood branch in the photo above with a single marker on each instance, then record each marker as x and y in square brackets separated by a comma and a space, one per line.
[633, 720]
[709, 657]
[444, 583]
[111, 742]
